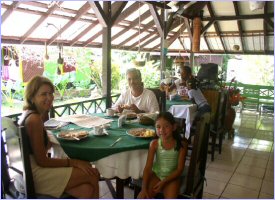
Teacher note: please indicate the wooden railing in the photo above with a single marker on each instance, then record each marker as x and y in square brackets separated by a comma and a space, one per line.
[97, 105]
[256, 95]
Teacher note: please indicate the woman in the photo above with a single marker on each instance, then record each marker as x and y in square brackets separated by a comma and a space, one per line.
[53, 176]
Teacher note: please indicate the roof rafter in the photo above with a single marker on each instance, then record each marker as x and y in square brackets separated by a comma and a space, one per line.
[212, 14]
[239, 23]
[81, 11]
[80, 35]
[99, 13]
[39, 21]
[10, 9]
[156, 18]
[128, 11]
[117, 8]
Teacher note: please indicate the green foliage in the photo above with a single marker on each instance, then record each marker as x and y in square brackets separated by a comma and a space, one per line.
[150, 75]
[10, 90]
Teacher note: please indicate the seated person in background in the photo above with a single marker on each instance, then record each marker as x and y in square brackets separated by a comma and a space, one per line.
[165, 160]
[180, 84]
[53, 176]
[196, 96]
[137, 98]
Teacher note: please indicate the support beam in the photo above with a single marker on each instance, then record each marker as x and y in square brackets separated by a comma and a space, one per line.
[10, 9]
[212, 14]
[80, 12]
[187, 25]
[240, 29]
[207, 26]
[106, 51]
[117, 8]
[128, 11]
[239, 17]
[103, 20]
[157, 20]
[40, 21]
[265, 29]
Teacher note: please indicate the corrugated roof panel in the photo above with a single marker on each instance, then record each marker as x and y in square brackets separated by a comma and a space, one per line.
[176, 45]
[74, 30]
[92, 32]
[228, 26]
[74, 5]
[223, 8]
[270, 43]
[124, 36]
[136, 39]
[203, 45]
[136, 13]
[244, 8]
[33, 7]
[215, 43]
[187, 43]
[18, 23]
[154, 43]
[229, 43]
[252, 24]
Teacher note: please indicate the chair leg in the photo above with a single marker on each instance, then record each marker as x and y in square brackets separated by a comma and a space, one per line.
[137, 190]
[213, 146]
[220, 142]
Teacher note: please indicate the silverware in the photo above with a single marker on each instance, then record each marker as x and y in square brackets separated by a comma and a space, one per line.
[76, 138]
[116, 142]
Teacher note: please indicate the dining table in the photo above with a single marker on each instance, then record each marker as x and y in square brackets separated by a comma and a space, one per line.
[126, 158]
[183, 109]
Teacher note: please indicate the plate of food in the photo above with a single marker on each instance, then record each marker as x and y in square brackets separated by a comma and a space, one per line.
[73, 135]
[129, 115]
[141, 132]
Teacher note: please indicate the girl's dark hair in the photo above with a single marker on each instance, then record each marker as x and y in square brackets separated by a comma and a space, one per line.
[170, 118]
[186, 68]
[193, 83]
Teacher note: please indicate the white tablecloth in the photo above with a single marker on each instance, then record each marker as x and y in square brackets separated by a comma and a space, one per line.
[186, 112]
[122, 165]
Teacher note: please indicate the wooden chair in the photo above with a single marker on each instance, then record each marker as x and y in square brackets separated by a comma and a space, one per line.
[28, 176]
[161, 97]
[11, 164]
[218, 102]
[194, 172]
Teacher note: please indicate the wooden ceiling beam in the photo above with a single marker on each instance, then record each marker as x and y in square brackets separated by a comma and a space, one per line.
[269, 22]
[147, 26]
[157, 20]
[265, 29]
[128, 11]
[182, 44]
[117, 8]
[9, 10]
[149, 41]
[40, 21]
[212, 14]
[239, 23]
[80, 12]
[144, 38]
[87, 42]
[158, 4]
[207, 26]
[102, 18]
[133, 24]
[80, 35]
[173, 38]
[187, 25]
[207, 44]
[239, 17]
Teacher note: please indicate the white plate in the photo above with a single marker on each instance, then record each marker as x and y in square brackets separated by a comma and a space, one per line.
[134, 130]
[72, 138]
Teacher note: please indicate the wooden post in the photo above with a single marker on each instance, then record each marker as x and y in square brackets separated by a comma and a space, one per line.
[196, 34]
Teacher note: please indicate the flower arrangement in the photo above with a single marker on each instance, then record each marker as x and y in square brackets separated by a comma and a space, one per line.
[234, 93]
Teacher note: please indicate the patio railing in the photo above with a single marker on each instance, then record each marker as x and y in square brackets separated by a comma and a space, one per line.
[90, 106]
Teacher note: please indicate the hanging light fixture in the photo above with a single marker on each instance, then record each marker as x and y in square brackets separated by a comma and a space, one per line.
[46, 56]
[140, 61]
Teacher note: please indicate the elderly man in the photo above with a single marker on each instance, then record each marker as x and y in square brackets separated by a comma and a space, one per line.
[137, 98]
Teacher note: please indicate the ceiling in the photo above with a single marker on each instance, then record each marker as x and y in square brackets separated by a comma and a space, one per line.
[226, 27]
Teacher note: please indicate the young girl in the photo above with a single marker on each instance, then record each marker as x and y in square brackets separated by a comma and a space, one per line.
[163, 174]
[197, 97]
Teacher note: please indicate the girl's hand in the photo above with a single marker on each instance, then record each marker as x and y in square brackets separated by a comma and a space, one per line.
[143, 195]
[158, 187]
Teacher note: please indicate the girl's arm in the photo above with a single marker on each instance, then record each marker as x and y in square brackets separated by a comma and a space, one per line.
[147, 172]
[177, 173]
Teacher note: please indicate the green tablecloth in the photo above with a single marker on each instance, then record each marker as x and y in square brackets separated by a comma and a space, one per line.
[177, 102]
[94, 148]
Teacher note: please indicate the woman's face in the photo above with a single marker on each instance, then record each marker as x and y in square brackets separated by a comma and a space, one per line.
[183, 74]
[43, 99]
[134, 81]
[164, 128]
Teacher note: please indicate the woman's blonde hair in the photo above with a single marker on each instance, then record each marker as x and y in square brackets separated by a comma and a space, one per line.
[32, 88]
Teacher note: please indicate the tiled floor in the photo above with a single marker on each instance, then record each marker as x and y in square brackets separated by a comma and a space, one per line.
[244, 169]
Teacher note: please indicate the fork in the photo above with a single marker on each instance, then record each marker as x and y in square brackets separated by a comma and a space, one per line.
[116, 142]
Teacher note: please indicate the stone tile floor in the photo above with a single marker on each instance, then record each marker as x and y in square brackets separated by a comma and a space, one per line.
[244, 169]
